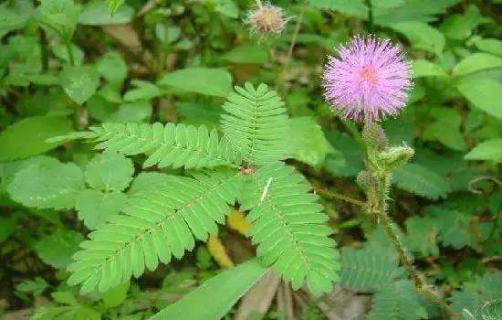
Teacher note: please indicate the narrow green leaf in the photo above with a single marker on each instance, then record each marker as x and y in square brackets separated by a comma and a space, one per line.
[217, 295]
[207, 81]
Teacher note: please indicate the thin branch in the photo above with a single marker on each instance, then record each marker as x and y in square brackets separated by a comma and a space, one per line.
[341, 197]
[295, 34]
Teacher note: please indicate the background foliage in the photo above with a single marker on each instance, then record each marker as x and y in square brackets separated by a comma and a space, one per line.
[69, 65]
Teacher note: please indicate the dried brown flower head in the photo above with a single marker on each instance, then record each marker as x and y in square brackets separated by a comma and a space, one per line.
[267, 19]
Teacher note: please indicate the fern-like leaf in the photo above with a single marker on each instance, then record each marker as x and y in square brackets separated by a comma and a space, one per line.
[289, 227]
[256, 124]
[175, 145]
[367, 270]
[157, 223]
[397, 301]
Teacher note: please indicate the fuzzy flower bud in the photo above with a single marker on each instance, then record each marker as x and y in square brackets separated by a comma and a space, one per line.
[267, 19]
[395, 157]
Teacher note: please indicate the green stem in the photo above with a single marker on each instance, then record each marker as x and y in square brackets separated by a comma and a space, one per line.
[342, 197]
[377, 205]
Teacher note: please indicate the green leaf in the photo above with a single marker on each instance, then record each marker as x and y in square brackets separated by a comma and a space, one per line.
[460, 26]
[425, 68]
[493, 46]
[60, 16]
[421, 236]
[10, 19]
[95, 13]
[206, 81]
[116, 296]
[96, 207]
[454, 227]
[289, 227]
[47, 183]
[397, 301]
[247, 54]
[255, 124]
[58, 248]
[477, 62]
[28, 136]
[7, 227]
[80, 82]
[356, 8]
[487, 150]
[484, 94]
[156, 224]
[36, 286]
[170, 145]
[144, 91]
[412, 10]
[421, 181]
[109, 171]
[445, 128]
[307, 141]
[367, 270]
[347, 158]
[227, 7]
[112, 67]
[421, 36]
[114, 5]
[230, 286]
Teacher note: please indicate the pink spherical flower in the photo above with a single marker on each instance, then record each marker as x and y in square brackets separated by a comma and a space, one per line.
[369, 80]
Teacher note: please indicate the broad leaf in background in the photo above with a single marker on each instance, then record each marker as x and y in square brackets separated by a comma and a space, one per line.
[10, 19]
[356, 8]
[411, 10]
[460, 26]
[95, 13]
[96, 207]
[80, 83]
[477, 62]
[421, 181]
[445, 128]
[229, 286]
[484, 94]
[114, 5]
[109, 172]
[207, 81]
[421, 235]
[347, 158]
[33, 132]
[425, 68]
[47, 183]
[307, 141]
[247, 54]
[454, 227]
[487, 150]
[112, 68]
[60, 16]
[492, 46]
[421, 36]
[58, 248]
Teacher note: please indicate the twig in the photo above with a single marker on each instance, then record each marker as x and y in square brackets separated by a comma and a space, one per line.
[295, 34]
[342, 197]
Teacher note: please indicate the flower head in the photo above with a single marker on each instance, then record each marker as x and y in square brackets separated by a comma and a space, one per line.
[369, 80]
[267, 19]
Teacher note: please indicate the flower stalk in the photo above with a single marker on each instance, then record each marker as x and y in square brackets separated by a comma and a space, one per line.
[376, 181]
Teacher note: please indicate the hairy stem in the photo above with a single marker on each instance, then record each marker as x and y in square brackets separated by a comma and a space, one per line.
[342, 197]
[377, 205]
